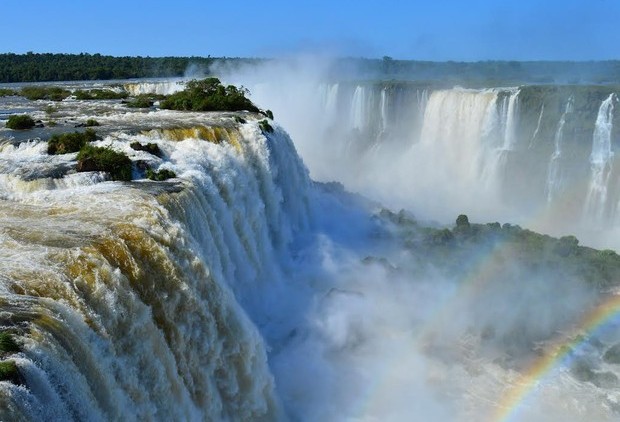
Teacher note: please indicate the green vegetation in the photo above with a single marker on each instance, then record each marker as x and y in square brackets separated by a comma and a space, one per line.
[209, 95]
[144, 100]
[91, 123]
[9, 372]
[268, 113]
[161, 175]
[140, 102]
[462, 221]
[65, 67]
[52, 93]
[32, 67]
[457, 250]
[20, 122]
[150, 148]
[70, 142]
[92, 158]
[99, 94]
[240, 120]
[7, 92]
[7, 343]
[265, 126]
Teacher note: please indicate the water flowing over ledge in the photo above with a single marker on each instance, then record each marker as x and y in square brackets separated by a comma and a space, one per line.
[130, 297]
[242, 290]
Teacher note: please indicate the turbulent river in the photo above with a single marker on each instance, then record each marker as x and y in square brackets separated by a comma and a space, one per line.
[243, 290]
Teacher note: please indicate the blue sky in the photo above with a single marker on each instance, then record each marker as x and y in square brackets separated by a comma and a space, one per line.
[427, 30]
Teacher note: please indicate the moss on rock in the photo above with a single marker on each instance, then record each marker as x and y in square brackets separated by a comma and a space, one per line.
[20, 122]
[161, 175]
[150, 148]
[9, 372]
[92, 158]
[70, 142]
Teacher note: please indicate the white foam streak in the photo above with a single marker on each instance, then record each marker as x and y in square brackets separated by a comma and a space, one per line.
[554, 176]
[182, 348]
[596, 206]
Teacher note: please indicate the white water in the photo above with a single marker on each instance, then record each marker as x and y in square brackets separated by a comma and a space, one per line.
[359, 106]
[146, 321]
[164, 87]
[554, 176]
[596, 206]
[245, 295]
[383, 107]
[404, 154]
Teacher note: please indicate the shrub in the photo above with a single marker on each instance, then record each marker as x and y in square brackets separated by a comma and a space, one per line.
[91, 122]
[161, 175]
[209, 95]
[7, 92]
[99, 94]
[53, 93]
[265, 126]
[462, 221]
[7, 343]
[240, 119]
[70, 142]
[92, 158]
[567, 245]
[20, 121]
[140, 102]
[441, 237]
[268, 113]
[150, 148]
[9, 372]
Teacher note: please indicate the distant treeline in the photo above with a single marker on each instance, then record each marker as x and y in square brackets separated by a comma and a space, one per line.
[486, 73]
[33, 67]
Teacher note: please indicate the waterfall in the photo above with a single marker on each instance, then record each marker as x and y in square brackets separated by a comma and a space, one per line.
[138, 301]
[359, 108]
[165, 87]
[554, 177]
[537, 130]
[509, 112]
[383, 108]
[600, 162]
[501, 152]
[464, 132]
[330, 99]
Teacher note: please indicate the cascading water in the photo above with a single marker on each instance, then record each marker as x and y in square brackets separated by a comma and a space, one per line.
[486, 151]
[465, 133]
[132, 300]
[596, 206]
[164, 87]
[537, 129]
[242, 290]
[383, 107]
[359, 108]
[554, 176]
[330, 101]
[509, 112]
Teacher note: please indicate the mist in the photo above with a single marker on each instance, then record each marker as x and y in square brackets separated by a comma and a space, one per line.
[389, 334]
[440, 148]
[379, 331]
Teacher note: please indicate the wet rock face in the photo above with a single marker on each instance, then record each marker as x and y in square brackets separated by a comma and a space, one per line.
[87, 164]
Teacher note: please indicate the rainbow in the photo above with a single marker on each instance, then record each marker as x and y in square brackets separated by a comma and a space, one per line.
[483, 271]
[557, 355]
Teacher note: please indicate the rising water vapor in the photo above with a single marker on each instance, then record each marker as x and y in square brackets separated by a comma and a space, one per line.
[244, 290]
[515, 153]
